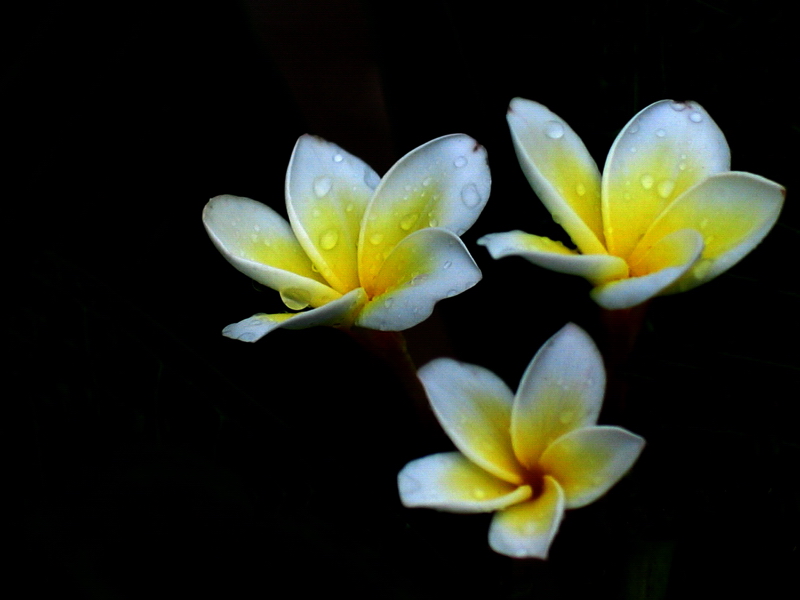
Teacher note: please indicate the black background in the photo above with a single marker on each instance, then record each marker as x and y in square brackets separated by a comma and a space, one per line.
[151, 457]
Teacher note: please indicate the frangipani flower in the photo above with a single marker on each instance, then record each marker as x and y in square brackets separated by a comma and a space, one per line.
[667, 215]
[358, 249]
[528, 457]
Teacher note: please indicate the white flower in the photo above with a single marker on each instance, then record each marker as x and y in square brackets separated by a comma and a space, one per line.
[667, 215]
[527, 456]
[358, 249]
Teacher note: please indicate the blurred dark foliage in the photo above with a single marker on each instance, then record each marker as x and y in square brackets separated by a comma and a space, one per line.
[154, 458]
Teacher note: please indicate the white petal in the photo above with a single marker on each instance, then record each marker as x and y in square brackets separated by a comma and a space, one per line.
[473, 406]
[560, 170]
[450, 482]
[339, 313]
[259, 243]
[547, 253]
[327, 191]
[663, 151]
[562, 389]
[733, 212]
[444, 183]
[427, 266]
[666, 262]
[588, 462]
[526, 530]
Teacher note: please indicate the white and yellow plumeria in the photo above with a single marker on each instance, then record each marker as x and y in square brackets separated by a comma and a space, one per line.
[666, 216]
[527, 456]
[358, 249]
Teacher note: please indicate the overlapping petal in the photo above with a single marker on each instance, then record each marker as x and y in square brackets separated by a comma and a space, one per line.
[526, 530]
[561, 390]
[449, 481]
[473, 406]
[588, 462]
[423, 268]
[666, 173]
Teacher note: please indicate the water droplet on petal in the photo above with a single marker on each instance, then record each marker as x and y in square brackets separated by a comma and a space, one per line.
[665, 188]
[647, 181]
[478, 493]
[682, 166]
[376, 238]
[337, 158]
[408, 221]
[634, 128]
[388, 303]
[447, 264]
[350, 206]
[470, 195]
[696, 117]
[371, 178]
[660, 132]
[633, 149]
[580, 189]
[554, 130]
[461, 161]
[295, 298]
[678, 106]
[329, 239]
[322, 185]
[452, 292]
[433, 223]
[426, 182]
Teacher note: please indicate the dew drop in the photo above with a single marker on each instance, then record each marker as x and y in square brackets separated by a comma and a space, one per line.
[322, 185]
[678, 106]
[580, 189]
[376, 238]
[426, 182]
[695, 117]
[447, 264]
[329, 239]
[337, 158]
[660, 132]
[647, 181]
[408, 221]
[433, 223]
[665, 188]
[295, 298]
[350, 206]
[682, 166]
[371, 178]
[478, 493]
[470, 195]
[388, 303]
[633, 149]
[554, 130]
[452, 292]
[634, 128]
[461, 161]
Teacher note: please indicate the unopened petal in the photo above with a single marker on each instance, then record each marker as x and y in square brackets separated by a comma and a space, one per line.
[664, 264]
[588, 462]
[259, 243]
[450, 482]
[664, 150]
[425, 267]
[327, 190]
[339, 313]
[561, 171]
[526, 530]
[473, 406]
[444, 183]
[732, 211]
[561, 390]
[553, 255]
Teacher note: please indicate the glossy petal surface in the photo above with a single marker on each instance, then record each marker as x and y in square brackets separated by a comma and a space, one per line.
[588, 462]
[444, 183]
[553, 255]
[425, 267]
[327, 191]
[449, 481]
[561, 390]
[473, 406]
[339, 312]
[732, 211]
[664, 150]
[666, 262]
[526, 530]
[561, 171]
